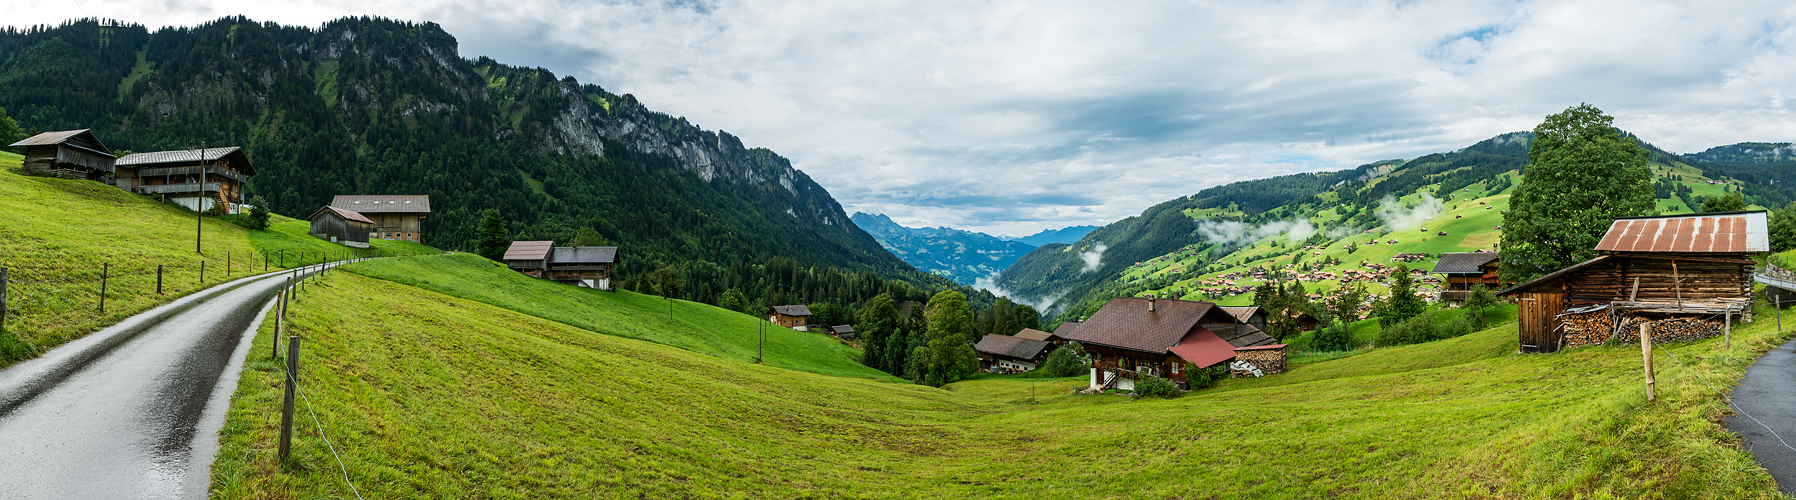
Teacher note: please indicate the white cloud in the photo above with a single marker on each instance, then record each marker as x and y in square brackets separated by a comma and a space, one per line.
[1093, 258]
[1403, 217]
[1014, 116]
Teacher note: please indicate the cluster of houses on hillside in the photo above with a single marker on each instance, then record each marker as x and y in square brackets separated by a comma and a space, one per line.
[205, 179]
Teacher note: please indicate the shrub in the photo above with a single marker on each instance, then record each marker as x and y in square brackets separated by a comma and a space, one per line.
[1199, 378]
[258, 213]
[1334, 337]
[1066, 361]
[1151, 387]
[1414, 330]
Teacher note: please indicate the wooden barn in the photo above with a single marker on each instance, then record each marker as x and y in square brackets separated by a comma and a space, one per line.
[529, 257]
[584, 266]
[69, 154]
[844, 332]
[793, 317]
[1010, 354]
[1462, 271]
[198, 179]
[1133, 337]
[396, 216]
[1684, 276]
[341, 226]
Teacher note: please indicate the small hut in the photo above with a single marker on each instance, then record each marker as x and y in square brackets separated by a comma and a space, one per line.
[1009, 354]
[529, 257]
[69, 154]
[1464, 270]
[844, 332]
[345, 227]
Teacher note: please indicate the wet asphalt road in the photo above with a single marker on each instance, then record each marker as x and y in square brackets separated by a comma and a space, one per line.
[138, 419]
[1769, 393]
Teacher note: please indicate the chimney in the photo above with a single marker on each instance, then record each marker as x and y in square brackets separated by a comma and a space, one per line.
[1150, 303]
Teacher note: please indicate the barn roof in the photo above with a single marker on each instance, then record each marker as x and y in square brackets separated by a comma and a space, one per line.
[797, 310]
[1015, 347]
[1463, 263]
[584, 255]
[345, 214]
[1241, 313]
[529, 250]
[842, 329]
[384, 203]
[1126, 323]
[1033, 334]
[61, 136]
[1203, 348]
[192, 156]
[1242, 335]
[1722, 232]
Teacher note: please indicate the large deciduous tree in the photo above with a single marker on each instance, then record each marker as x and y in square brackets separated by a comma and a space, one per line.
[879, 320]
[1783, 229]
[947, 354]
[1582, 174]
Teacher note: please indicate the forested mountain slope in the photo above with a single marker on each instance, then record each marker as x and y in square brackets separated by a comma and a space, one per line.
[366, 105]
[963, 256]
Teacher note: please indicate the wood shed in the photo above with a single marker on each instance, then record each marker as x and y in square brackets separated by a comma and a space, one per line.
[69, 154]
[1682, 275]
[342, 226]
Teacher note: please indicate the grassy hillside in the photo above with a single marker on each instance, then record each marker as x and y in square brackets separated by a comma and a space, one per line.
[59, 232]
[449, 397]
[687, 325]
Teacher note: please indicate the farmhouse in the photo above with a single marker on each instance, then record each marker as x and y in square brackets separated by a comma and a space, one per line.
[396, 217]
[341, 226]
[1132, 337]
[793, 317]
[529, 257]
[1008, 354]
[1684, 276]
[1465, 270]
[198, 179]
[69, 154]
[589, 267]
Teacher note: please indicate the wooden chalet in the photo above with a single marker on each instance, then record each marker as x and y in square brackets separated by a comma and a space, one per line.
[198, 179]
[341, 226]
[1307, 322]
[1462, 271]
[1683, 276]
[1010, 354]
[1132, 337]
[69, 154]
[529, 257]
[1033, 334]
[844, 332]
[396, 216]
[793, 317]
[589, 267]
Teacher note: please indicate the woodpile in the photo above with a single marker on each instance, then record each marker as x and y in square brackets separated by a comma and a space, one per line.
[1671, 329]
[1589, 328]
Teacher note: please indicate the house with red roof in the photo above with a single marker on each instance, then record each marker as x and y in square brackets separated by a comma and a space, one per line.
[1134, 337]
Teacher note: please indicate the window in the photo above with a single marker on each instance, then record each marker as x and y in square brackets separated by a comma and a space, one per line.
[1175, 368]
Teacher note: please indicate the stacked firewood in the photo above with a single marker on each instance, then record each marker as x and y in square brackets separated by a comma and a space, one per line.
[1591, 328]
[1674, 329]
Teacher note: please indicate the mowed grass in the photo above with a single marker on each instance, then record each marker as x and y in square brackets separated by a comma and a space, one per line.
[687, 325]
[431, 396]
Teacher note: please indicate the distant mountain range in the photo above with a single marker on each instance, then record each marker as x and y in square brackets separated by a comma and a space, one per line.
[1062, 235]
[959, 255]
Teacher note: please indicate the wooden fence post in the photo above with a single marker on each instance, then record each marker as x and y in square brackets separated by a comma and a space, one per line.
[227, 263]
[158, 279]
[202, 273]
[287, 399]
[1727, 331]
[1646, 352]
[283, 259]
[105, 269]
[3, 280]
[1779, 307]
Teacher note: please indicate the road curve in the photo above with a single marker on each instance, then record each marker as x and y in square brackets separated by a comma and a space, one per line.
[1768, 393]
[132, 411]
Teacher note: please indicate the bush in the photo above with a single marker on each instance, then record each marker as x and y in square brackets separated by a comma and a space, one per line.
[1199, 378]
[1151, 387]
[1066, 361]
[1334, 337]
[1414, 330]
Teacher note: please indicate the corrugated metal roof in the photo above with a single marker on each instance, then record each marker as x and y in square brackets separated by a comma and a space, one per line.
[797, 310]
[48, 138]
[1126, 323]
[176, 156]
[584, 255]
[345, 214]
[1015, 347]
[384, 203]
[1203, 348]
[1731, 232]
[1033, 334]
[529, 250]
[1463, 263]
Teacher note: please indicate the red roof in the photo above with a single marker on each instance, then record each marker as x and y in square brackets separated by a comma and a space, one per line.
[1730, 232]
[1125, 322]
[1202, 348]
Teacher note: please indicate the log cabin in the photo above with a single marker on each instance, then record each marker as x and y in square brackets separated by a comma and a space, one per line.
[1133, 337]
[793, 317]
[344, 227]
[531, 258]
[69, 154]
[396, 217]
[1463, 270]
[844, 332]
[1010, 354]
[1662, 271]
[199, 179]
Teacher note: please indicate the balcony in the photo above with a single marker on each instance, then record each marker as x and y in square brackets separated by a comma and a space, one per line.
[210, 187]
[184, 171]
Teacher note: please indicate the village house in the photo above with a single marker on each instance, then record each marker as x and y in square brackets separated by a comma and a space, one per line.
[198, 179]
[1131, 337]
[396, 217]
[341, 226]
[1462, 271]
[529, 257]
[589, 267]
[1683, 276]
[793, 317]
[1009, 354]
[69, 154]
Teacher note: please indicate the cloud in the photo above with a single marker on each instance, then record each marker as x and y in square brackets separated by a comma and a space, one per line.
[1403, 217]
[1010, 116]
[1092, 257]
[1231, 234]
[1044, 305]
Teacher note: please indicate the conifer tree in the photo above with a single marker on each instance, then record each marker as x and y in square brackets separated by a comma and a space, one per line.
[493, 240]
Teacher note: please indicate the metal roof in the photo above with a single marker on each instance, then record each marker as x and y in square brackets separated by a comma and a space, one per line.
[384, 203]
[345, 214]
[1125, 322]
[1033, 334]
[1203, 348]
[49, 138]
[529, 250]
[797, 310]
[584, 255]
[1729, 232]
[1015, 347]
[1463, 263]
[841, 329]
[180, 156]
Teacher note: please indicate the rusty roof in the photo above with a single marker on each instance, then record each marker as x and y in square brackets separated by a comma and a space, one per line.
[345, 214]
[1726, 232]
[1203, 348]
[1015, 347]
[529, 250]
[1125, 323]
[797, 310]
[384, 203]
[1463, 263]
[1242, 313]
[1033, 334]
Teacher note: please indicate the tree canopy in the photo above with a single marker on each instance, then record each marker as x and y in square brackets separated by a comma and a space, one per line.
[1583, 173]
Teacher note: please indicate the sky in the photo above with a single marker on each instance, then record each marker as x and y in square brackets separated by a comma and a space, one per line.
[1014, 117]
